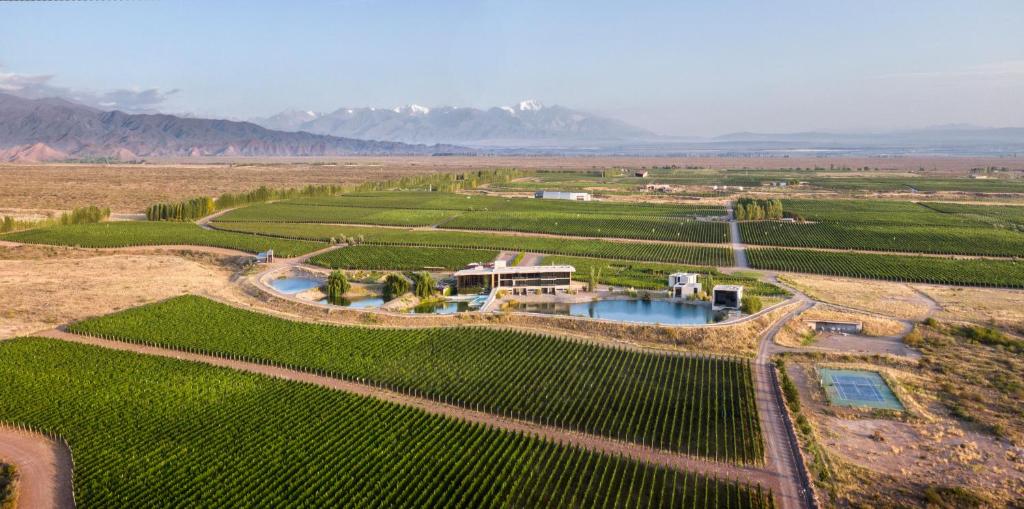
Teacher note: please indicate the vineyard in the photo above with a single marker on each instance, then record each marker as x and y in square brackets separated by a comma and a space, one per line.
[696, 405]
[654, 276]
[467, 203]
[1007, 216]
[156, 432]
[978, 240]
[644, 251]
[588, 219]
[125, 234]
[884, 212]
[287, 212]
[624, 226]
[400, 258]
[915, 269]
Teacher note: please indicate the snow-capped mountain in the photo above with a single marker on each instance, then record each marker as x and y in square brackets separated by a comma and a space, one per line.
[529, 123]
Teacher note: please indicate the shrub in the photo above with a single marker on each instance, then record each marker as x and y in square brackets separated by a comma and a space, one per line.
[423, 284]
[337, 286]
[84, 215]
[751, 304]
[395, 286]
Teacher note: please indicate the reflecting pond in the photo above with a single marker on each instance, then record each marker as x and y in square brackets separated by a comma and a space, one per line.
[630, 310]
[293, 285]
[442, 308]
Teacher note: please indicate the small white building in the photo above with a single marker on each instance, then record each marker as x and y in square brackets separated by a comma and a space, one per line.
[684, 285]
[265, 256]
[561, 195]
[726, 297]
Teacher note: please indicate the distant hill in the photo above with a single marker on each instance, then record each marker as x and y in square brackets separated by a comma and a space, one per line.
[527, 124]
[948, 136]
[56, 129]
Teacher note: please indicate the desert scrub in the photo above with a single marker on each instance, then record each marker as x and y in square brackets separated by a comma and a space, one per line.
[8, 482]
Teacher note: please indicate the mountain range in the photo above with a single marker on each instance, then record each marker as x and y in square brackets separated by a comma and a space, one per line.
[57, 129]
[53, 129]
[527, 124]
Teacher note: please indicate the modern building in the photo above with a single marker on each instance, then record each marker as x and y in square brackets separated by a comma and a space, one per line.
[482, 277]
[726, 297]
[684, 285]
[836, 326]
[561, 195]
[265, 256]
[640, 173]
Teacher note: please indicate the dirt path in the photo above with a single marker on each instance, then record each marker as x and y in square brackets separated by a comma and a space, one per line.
[739, 251]
[591, 442]
[44, 469]
[531, 259]
[781, 452]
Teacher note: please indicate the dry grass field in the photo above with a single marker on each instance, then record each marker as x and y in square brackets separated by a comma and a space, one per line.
[987, 306]
[42, 286]
[926, 457]
[132, 187]
[897, 300]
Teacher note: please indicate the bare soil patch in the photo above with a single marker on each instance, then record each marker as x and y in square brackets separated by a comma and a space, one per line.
[45, 286]
[897, 300]
[1001, 308]
[931, 453]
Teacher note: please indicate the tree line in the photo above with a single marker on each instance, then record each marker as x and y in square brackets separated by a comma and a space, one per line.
[196, 208]
[751, 209]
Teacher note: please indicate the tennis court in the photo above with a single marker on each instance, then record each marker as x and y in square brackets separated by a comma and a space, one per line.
[857, 388]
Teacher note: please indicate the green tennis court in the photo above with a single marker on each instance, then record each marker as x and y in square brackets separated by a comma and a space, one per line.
[857, 388]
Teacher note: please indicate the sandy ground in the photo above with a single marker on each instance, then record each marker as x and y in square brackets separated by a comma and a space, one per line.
[44, 469]
[924, 448]
[982, 305]
[891, 299]
[43, 287]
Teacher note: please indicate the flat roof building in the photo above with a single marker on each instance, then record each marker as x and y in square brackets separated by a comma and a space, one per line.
[547, 278]
[726, 297]
[562, 195]
[684, 285]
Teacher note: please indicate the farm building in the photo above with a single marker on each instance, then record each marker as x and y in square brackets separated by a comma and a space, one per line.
[640, 173]
[836, 326]
[726, 297]
[684, 285]
[546, 278]
[561, 195]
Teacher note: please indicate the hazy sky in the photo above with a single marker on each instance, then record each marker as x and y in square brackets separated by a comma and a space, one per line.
[676, 67]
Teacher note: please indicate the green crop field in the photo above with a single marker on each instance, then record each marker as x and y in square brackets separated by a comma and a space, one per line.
[466, 203]
[653, 276]
[977, 240]
[635, 250]
[156, 432]
[124, 234]
[400, 257]
[917, 269]
[626, 226]
[1006, 216]
[886, 212]
[591, 219]
[697, 405]
[286, 212]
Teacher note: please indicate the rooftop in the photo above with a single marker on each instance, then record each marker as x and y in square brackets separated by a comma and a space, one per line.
[727, 288]
[515, 270]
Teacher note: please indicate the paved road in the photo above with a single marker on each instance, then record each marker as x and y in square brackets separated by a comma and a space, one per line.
[591, 442]
[44, 469]
[739, 251]
[780, 453]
